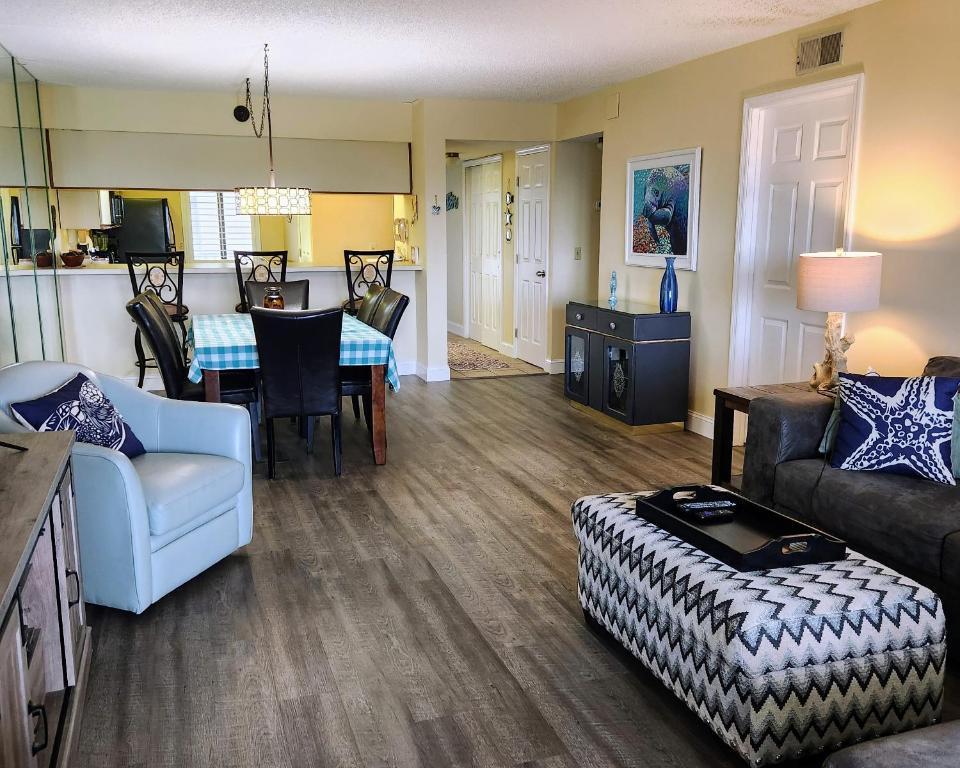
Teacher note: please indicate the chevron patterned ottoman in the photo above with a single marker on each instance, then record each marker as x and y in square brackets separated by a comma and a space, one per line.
[779, 663]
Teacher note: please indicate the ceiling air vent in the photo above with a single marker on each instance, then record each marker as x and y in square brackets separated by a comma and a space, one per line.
[820, 51]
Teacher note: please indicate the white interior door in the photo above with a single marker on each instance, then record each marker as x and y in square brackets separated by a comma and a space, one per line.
[803, 181]
[483, 183]
[532, 247]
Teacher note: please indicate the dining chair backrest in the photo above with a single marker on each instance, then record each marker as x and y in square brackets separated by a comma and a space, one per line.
[160, 272]
[391, 308]
[299, 353]
[368, 307]
[258, 267]
[148, 312]
[296, 293]
[363, 269]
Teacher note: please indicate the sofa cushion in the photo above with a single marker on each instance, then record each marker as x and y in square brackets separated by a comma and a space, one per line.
[793, 487]
[936, 747]
[80, 405]
[179, 487]
[896, 425]
[897, 519]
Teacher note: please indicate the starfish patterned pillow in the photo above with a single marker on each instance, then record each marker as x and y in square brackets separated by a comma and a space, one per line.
[80, 405]
[902, 426]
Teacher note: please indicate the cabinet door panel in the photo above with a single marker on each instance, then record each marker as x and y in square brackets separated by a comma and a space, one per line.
[577, 365]
[662, 382]
[618, 375]
[14, 725]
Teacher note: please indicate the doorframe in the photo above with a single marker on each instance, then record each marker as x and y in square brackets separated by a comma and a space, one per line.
[745, 257]
[498, 158]
[548, 148]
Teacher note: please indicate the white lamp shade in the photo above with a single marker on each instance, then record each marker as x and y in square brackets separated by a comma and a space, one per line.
[839, 281]
[273, 201]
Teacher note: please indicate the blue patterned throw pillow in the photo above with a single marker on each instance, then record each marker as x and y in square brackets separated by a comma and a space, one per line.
[81, 406]
[898, 425]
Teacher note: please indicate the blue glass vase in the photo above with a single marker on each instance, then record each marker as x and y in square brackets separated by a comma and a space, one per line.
[668, 287]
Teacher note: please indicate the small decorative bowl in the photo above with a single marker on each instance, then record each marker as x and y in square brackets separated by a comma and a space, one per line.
[44, 260]
[72, 259]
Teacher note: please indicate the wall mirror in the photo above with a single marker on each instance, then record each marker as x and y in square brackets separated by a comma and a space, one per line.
[29, 296]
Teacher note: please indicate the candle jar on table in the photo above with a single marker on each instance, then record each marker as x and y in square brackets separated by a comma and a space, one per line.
[273, 297]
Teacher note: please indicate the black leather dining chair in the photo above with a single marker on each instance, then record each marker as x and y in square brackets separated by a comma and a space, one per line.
[296, 293]
[236, 387]
[258, 267]
[364, 269]
[299, 354]
[161, 273]
[390, 306]
[368, 307]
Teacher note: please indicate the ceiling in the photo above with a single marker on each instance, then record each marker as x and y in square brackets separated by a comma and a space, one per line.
[393, 49]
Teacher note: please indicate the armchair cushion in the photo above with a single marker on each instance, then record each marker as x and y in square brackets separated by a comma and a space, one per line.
[179, 487]
[81, 405]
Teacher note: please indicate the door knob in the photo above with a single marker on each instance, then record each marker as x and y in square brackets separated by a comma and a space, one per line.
[541, 273]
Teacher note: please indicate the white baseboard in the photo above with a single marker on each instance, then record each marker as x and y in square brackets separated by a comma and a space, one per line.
[700, 424]
[406, 367]
[553, 366]
[436, 373]
[456, 328]
[510, 350]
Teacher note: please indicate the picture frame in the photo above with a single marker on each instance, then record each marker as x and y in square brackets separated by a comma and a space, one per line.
[665, 185]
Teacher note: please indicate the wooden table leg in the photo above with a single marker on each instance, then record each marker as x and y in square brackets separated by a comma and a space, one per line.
[722, 443]
[211, 386]
[378, 401]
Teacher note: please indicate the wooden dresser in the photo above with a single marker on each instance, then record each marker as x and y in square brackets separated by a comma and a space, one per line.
[631, 362]
[44, 640]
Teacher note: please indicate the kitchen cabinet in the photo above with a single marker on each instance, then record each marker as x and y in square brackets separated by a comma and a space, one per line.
[631, 361]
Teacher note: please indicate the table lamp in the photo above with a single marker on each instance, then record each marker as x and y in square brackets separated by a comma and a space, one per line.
[836, 283]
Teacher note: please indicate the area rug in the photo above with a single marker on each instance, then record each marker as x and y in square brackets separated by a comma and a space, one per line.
[463, 358]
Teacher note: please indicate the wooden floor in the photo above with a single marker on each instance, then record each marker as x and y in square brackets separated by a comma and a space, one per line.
[418, 614]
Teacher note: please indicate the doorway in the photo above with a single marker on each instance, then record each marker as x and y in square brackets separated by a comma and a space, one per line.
[796, 191]
[532, 254]
[483, 254]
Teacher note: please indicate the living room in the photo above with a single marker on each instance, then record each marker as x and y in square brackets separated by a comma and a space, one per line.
[774, 194]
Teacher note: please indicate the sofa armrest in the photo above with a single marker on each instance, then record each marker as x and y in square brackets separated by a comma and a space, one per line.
[781, 428]
[114, 529]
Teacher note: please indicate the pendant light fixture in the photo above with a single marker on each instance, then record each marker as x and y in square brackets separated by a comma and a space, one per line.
[271, 200]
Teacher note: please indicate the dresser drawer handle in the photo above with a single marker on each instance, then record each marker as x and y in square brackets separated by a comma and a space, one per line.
[40, 712]
[76, 576]
[613, 326]
[579, 316]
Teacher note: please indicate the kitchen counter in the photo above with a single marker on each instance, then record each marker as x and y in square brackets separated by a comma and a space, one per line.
[192, 268]
[98, 332]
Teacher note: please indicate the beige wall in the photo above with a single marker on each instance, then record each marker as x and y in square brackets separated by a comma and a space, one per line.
[205, 112]
[350, 222]
[574, 187]
[908, 182]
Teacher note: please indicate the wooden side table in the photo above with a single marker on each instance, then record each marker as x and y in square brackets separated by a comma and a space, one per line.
[729, 400]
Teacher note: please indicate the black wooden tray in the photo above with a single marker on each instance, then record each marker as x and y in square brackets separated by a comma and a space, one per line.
[754, 539]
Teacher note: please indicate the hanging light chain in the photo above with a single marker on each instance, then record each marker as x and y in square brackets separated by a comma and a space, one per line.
[265, 107]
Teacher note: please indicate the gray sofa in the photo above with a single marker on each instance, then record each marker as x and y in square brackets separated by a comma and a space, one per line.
[911, 525]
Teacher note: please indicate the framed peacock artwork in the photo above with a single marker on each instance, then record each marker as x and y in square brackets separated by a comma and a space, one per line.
[663, 205]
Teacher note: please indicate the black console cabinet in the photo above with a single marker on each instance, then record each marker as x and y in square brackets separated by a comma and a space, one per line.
[631, 362]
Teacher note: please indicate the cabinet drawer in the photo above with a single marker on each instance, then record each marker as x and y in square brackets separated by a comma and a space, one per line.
[654, 327]
[615, 324]
[582, 316]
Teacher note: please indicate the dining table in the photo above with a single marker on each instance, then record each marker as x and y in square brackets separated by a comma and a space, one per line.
[227, 342]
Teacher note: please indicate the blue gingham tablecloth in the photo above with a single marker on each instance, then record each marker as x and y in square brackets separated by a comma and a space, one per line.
[225, 342]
